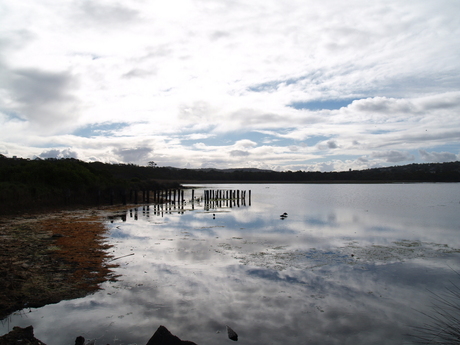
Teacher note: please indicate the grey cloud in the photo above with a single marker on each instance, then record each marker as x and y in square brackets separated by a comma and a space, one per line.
[389, 106]
[138, 73]
[239, 153]
[393, 156]
[113, 14]
[159, 51]
[135, 155]
[443, 101]
[383, 105]
[16, 40]
[442, 136]
[55, 153]
[254, 117]
[437, 157]
[36, 86]
[41, 97]
[219, 34]
[332, 144]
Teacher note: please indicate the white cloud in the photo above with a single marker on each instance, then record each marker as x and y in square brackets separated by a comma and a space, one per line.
[194, 70]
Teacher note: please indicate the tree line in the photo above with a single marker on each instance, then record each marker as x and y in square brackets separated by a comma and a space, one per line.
[57, 182]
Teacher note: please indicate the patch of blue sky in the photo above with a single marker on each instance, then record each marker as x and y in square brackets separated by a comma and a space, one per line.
[100, 129]
[330, 104]
[274, 84]
[380, 131]
[260, 138]
[13, 116]
[226, 139]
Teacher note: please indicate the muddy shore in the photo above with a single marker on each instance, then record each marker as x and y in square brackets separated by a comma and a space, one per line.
[49, 257]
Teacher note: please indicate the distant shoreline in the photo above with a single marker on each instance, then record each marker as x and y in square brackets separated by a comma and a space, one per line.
[304, 182]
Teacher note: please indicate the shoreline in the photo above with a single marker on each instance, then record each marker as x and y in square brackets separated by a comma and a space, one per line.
[52, 256]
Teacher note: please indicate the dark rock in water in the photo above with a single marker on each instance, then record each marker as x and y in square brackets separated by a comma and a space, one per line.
[20, 336]
[164, 337]
[232, 334]
[80, 340]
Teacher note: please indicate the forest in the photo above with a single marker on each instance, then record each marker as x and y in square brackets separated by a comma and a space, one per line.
[26, 183]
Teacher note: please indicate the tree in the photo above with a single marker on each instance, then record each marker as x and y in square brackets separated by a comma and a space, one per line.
[152, 164]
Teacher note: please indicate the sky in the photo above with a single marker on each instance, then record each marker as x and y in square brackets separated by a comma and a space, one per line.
[305, 85]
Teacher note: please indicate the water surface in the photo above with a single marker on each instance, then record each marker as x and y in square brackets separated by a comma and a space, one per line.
[350, 264]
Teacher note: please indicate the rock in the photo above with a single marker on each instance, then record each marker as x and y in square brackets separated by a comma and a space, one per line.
[232, 334]
[164, 337]
[80, 340]
[20, 336]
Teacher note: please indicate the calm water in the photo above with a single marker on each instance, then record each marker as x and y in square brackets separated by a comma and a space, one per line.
[351, 264]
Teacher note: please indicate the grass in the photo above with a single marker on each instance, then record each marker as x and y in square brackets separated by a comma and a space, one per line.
[443, 326]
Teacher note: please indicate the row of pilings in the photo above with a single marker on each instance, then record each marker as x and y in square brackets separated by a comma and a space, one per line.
[225, 198]
[225, 194]
[172, 196]
[217, 197]
[142, 196]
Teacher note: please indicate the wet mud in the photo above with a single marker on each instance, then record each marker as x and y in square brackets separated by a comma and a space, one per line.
[47, 258]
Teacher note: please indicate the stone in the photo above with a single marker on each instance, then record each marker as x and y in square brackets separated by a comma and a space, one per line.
[163, 336]
[80, 340]
[20, 336]
[232, 334]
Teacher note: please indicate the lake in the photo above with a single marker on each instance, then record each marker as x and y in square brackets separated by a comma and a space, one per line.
[350, 264]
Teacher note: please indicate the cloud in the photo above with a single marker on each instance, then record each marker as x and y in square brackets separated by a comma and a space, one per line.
[56, 153]
[437, 157]
[310, 82]
[393, 156]
[382, 105]
[139, 155]
[43, 98]
[332, 144]
[245, 143]
[139, 73]
[99, 13]
[239, 153]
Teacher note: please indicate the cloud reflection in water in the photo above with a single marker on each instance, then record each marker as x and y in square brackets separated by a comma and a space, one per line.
[343, 272]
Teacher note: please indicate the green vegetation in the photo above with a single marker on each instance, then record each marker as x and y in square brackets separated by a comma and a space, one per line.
[59, 182]
[429, 172]
[40, 184]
